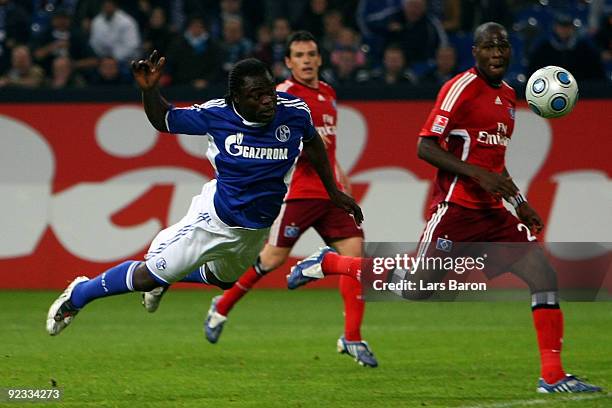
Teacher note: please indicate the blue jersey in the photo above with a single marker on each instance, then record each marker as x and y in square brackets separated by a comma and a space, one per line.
[253, 162]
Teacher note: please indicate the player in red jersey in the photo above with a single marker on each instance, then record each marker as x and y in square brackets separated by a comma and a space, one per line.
[465, 137]
[307, 204]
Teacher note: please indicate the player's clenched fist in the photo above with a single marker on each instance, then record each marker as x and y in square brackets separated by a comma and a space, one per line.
[148, 71]
[530, 217]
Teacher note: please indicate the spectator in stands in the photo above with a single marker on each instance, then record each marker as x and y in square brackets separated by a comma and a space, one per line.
[14, 29]
[249, 12]
[347, 8]
[63, 75]
[418, 33]
[215, 19]
[230, 10]
[114, 33]
[373, 18]
[235, 45]
[603, 39]
[291, 10]
[444, 69]
[566, 49]
[348, 38]
[448, 12]
[109, 73]
[62, 40]
[263, 47]
[42, 11]
[332, 26]
[312, 21]
[475, 12]
[345, 69]
[157, 34]
[139, 10]
[393, 70]
[281, 29]
[195, 58]
[179, 12]
[85, 12]
[23, 73]
[598, 11]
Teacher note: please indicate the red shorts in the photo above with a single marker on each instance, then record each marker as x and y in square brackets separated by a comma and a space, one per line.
[296, 216]
[450, 226]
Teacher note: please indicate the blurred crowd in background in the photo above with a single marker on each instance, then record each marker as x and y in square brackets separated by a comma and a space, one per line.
[77, 43]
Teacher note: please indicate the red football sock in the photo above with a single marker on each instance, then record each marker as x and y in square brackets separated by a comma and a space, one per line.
[334, 264]
[549, 327]
[235, 293]
[354, 307]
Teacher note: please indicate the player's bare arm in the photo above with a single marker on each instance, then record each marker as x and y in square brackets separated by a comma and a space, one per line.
[525, 212]
[147, 73]
[315, 149]
[344, 180]
[494, 183]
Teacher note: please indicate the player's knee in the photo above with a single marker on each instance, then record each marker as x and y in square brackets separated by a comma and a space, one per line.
[269, 260]
[349, 246]
[142, 279]
[535, 270]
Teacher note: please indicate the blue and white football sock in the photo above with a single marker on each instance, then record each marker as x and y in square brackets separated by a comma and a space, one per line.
[114, 281]
[196, 276]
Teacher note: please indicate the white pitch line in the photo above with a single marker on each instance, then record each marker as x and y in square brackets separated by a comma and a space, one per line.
[552, 400]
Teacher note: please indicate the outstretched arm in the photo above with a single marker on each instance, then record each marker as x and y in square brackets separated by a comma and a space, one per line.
[315, 149]
[147, 73]
[498, 184]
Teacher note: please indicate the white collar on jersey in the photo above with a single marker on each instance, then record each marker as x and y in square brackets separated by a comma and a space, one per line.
[246, 122]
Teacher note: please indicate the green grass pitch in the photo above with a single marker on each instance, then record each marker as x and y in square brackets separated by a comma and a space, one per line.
[278, 350]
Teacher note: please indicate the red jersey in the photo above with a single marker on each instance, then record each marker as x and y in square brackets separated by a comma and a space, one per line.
[322, 103]
[474, 121]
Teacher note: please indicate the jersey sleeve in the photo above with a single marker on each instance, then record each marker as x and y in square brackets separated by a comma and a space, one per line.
[310, 131]
[192, 120]
[444, 113]
[304, 113]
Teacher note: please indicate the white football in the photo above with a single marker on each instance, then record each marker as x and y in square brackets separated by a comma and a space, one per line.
[551, 92]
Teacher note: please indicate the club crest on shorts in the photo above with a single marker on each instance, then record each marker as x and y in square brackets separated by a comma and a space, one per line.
[282, 133]
[291, 231]
[445, 245]
[160, 264]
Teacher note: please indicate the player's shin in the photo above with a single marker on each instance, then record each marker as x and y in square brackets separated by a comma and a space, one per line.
[114, 281]
[548, 322]
[354, 307]
[241, 287]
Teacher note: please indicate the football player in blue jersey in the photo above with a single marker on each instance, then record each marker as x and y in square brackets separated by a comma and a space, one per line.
[256, 135]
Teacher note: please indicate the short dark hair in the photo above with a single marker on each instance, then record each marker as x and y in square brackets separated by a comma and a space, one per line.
[484, 28]
[197, 18]
[297, 37]
[394, 47]
[250, 67]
